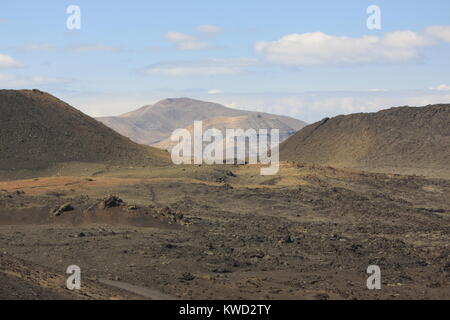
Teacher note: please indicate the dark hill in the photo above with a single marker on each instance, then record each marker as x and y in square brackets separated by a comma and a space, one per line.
[404, 137]
[38, 130]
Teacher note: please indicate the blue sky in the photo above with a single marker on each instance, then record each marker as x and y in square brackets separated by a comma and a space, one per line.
[303, 59]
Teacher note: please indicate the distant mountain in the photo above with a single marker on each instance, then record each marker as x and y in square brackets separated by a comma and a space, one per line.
[37, 130]
[403, 137]
[153, 124]
[249, 121]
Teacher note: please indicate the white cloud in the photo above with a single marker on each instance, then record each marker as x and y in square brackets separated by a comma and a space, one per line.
[8, 62]
[13, 81]
[74, 48]
[439, 32]
[214, 91]
[318, 48]
[208, 28]
[37, 47]
[108, 103]
[179, 36]
[209, 67]
[442, 87]
[93, 48]
[185, 41]
[377, 90]
[185, 71]
[314, 106]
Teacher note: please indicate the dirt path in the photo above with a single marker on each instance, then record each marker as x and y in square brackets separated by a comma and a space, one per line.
[143, 291]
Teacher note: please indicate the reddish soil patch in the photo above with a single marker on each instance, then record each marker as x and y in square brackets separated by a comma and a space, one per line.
[43, 185]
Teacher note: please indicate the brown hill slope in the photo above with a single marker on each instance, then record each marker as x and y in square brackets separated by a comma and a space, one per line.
[404, 137]
[250, 121]
[153, 124]
[38, 130]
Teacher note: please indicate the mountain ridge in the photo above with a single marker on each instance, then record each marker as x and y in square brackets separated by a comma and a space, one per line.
[153, 124]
